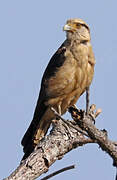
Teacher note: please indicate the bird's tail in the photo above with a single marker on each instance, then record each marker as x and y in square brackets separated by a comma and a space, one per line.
[37, 129]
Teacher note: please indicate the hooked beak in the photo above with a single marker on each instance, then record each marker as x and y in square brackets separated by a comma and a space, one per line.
[67, 28]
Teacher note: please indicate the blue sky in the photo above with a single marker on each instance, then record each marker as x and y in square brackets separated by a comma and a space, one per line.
[30, 33]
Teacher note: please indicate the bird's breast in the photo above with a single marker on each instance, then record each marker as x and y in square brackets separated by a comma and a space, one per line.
[84, 57]
[72, 78]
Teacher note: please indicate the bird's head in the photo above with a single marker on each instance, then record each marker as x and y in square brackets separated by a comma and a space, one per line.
[78, 29]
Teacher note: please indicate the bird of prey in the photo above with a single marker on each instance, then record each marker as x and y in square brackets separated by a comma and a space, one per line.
[67, 76]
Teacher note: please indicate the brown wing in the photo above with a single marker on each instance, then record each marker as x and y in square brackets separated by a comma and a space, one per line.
[42, 115]
[54, 65]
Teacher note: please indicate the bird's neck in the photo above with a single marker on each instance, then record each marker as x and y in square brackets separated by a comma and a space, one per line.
[75, 38]
[75, 42]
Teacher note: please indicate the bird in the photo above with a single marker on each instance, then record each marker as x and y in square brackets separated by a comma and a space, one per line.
[67, 76]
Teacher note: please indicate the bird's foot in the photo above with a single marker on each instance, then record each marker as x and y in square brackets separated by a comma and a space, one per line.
[80, 114]
[75, 112]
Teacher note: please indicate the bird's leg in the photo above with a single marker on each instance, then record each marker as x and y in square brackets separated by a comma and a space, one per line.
[58, 117]
[59, 108]
[87, 100]
[74, 105]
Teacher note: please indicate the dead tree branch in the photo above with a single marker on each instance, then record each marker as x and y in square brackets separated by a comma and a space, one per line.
[86, 123]
[62, 139]
[53, 147]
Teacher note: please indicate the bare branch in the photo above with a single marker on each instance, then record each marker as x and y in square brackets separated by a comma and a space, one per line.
[100, 136]
[51, 148]
[58, 172]
[63, 139]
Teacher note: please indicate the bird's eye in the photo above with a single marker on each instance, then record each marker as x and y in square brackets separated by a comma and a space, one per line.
[78, 25]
